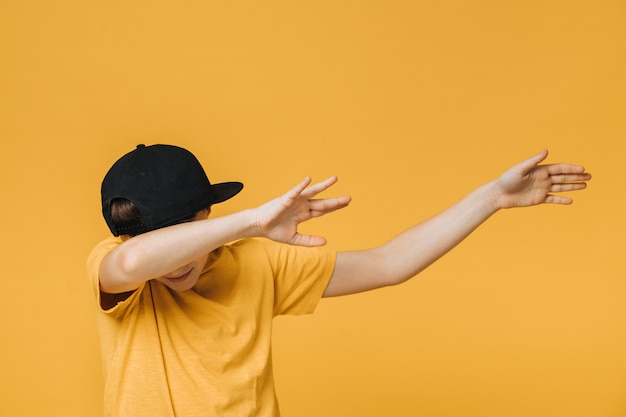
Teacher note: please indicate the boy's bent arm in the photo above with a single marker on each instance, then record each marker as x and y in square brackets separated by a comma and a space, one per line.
[159, 252]
[156, 253]
[525, 184]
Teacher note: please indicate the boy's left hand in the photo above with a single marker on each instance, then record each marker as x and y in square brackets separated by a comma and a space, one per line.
[529, 183]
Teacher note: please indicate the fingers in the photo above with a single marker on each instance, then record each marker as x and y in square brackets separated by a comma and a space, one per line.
[567, 177]
[301, 190]
[556, 169]
[560, 188]
[319, 207]
[328, 205]
[564, 178]
[315, 189]
[557, 199]
[308, 240]
[298, 189]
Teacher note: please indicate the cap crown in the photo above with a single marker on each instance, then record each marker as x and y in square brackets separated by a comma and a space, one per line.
[165, 182]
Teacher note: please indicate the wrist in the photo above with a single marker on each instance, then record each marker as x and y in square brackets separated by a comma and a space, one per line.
[492, 196]
[248, 222]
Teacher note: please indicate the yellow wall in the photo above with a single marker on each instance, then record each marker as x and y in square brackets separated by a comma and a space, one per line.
[412, 104]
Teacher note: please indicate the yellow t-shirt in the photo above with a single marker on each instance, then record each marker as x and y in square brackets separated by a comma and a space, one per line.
[206, 351]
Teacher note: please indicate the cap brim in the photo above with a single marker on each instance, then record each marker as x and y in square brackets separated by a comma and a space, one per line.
[225, 190]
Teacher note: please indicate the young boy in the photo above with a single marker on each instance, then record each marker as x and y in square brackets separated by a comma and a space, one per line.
[185, 315]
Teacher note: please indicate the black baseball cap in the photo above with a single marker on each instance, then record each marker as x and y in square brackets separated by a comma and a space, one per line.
[165, 182]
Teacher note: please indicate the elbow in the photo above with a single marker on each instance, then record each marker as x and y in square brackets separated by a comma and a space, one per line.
[400, 274]
[393, 279]
[395, 270]
[384, 272]
[389, 270]
[119, 271]
[128, 264]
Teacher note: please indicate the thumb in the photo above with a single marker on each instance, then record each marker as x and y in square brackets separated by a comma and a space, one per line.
[308, 240]
[525, 166]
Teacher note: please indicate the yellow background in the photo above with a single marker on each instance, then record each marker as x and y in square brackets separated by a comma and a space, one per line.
[412, 104]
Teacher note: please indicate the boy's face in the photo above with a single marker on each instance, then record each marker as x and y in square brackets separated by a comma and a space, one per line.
[185, 277]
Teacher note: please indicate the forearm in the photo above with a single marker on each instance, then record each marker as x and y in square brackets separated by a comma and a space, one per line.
[156, 253]
[415, 249]
[420, 246]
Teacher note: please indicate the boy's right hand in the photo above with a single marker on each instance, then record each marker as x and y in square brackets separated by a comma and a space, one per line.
[279, 219]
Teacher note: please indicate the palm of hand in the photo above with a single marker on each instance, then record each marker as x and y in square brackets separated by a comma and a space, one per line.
[525, 189]
[283, 216]
[279, 219]
[528, 183]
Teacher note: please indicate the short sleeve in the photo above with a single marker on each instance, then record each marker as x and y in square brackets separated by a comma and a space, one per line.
[301, 275]
[93, 267]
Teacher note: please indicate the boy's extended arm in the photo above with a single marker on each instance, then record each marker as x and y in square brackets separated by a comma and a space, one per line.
[525, 184]
[156, 253]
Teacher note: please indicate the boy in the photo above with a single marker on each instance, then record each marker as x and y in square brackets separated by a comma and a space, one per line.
[185, 316]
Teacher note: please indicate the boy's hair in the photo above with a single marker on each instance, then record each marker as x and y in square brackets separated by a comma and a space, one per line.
[124, 211]
[164, 185]
[126, 216]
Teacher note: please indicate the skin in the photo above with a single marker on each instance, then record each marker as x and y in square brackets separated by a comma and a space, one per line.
[175, 255]
[185, 277]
